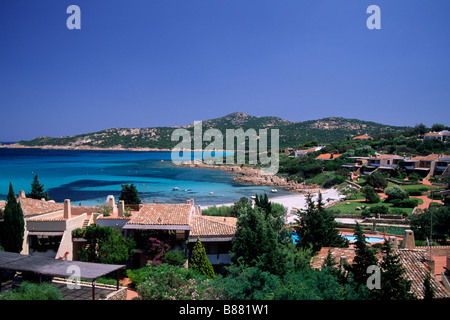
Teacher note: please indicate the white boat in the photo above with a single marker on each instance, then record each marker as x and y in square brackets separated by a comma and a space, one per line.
[274, 190]
[253, 197]
[176, 188]
[211, 192]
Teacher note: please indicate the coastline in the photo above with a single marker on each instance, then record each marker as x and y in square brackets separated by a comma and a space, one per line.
[50, 147]
[254, 176]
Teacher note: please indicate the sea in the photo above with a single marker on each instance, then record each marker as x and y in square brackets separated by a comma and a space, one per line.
[87, 177]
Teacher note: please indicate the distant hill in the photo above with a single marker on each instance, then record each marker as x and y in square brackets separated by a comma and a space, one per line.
[291, 133]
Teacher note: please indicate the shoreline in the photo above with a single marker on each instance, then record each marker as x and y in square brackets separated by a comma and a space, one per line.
[49, 147]
[253, 176]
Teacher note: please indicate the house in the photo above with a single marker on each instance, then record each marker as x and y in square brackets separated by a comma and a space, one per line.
[432, 165]
[355, 164]
[304, 152]
[363, 137]
[441, 135]
[328, 156]
[180, 225]
[382, 162]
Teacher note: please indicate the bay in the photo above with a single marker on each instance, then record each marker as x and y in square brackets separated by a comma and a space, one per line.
[87, 177]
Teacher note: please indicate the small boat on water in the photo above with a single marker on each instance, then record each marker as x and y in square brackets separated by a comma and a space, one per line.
[211, 192]
[176, 188]
[274, 190]
[253, 197]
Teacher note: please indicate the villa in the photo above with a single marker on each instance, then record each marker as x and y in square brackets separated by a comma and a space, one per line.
[441, 135]
[433, 165]
[304, 152]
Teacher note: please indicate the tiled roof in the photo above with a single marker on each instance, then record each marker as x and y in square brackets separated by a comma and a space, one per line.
[416, 271]
[31, 207]
[327, 156]
[162, 214]
[364, 136]
[430, 157]
[212, 226]
[412, 261]
[432, 134]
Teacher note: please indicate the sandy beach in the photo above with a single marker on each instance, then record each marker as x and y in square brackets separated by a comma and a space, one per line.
[298, 201]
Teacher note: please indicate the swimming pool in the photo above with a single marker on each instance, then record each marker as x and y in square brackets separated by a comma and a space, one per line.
[295, 238]
[368, 239]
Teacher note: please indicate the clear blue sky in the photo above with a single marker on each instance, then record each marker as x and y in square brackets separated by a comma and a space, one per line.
[170, 62]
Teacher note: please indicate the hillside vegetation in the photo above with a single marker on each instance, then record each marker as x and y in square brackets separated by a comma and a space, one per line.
[325, 130]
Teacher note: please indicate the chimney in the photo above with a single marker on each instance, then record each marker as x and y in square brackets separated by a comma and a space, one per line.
[121, 208]
[22, 194]
[67, 209]
[408, 240]
[393, 242]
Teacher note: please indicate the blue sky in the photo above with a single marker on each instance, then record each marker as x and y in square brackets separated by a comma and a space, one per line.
[171, 62]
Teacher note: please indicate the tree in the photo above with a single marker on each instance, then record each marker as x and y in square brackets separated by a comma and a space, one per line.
[377, 181]
[129, 194]
[37, 190]
[263, 203]
[370, 194]
[106, 245]
[199, 260]
[256, 241]
[428, 288]
[395, 192]
[394, 286]
[365, 257]
[318, 227]
[438, 127]
[12, 228]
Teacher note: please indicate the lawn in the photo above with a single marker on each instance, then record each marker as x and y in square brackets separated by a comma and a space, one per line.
[349, 207]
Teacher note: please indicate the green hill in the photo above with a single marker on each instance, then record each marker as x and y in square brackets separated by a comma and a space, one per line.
[325, 130]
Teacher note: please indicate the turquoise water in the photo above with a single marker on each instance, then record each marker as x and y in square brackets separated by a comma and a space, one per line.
[295, 238]
[90, 176]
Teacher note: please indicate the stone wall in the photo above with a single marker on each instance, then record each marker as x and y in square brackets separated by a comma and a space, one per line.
[120, 294]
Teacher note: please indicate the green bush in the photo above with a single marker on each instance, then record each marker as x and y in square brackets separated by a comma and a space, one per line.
[413, 192]
[33, 291]
[175, 258]
[405, 203]
[395, 192]
[379, 209]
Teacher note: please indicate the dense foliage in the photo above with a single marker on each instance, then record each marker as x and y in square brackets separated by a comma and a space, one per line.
[12, 228]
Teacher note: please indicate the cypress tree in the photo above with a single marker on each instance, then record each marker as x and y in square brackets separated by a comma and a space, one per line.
[365, 257]
[394, 286]
[318, 228]
[200, 262]
[37, 190]
[12, 230]
[129, 194]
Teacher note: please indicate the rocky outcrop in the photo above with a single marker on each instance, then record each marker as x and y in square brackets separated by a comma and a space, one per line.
[253, 176]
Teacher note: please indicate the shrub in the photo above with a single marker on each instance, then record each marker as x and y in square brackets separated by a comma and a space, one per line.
[395, 192]
[413, 192]
[175, 258]
[33, 291]
[396, 211]
[405, 203]
[370, 194]
[379, 209]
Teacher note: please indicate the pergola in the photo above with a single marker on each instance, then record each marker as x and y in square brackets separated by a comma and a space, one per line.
[45, 266]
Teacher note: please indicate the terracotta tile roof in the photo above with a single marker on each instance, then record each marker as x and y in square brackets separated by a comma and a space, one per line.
[162, 214]
[212, 226]
[432, 134]
[387, 156]
[412, 261]
[31, 207]
[430, 157]
[416, 271]
[361, 137]
[327, 156]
